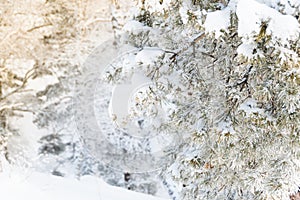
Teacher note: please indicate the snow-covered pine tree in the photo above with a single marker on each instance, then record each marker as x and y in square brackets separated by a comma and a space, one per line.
[229, 73]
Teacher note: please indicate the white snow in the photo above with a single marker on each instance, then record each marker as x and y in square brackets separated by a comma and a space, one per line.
[183, 11]
[148, 55]
[217, 21]
[225, 127]
[135, 27]
[249, 106]
[156, 6]
[40, 83]
[251, 13]
[283, 5]
[121, 95]
[23, 147]
[246, 49]
[19, 66]
[294, 2]
[17, 185]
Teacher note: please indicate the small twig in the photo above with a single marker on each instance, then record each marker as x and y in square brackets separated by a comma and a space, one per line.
[37, 27]
[22, 110]
[25, 79]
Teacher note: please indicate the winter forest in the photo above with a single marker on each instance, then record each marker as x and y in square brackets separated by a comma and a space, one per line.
[150, 99]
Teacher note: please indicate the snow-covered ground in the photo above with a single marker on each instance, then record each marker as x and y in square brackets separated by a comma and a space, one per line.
[17, 185]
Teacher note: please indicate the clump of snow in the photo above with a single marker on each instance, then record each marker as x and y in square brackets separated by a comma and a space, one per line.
[251, 13]
[134, 27]
[148, 55]
[225, 127]
[246, 49]
[40, 83]
[217, 21]
[284, 27]
[249, 106]
[183, 11]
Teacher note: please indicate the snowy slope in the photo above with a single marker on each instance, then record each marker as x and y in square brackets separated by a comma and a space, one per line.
[17, 185]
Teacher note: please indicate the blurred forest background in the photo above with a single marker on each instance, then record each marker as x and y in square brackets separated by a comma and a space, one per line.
[43, 46]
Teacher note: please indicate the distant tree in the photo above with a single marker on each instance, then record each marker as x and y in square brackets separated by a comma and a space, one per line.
[27, 54]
